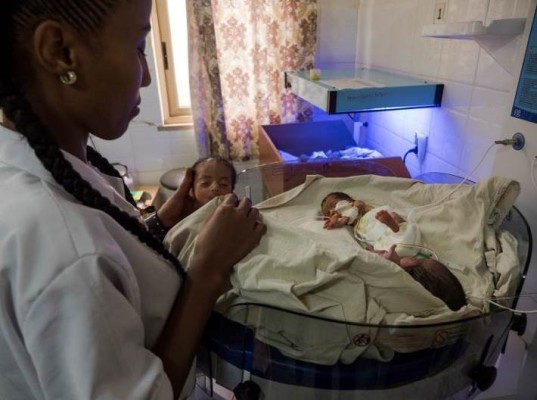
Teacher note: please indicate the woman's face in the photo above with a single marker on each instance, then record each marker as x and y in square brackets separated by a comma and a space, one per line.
[110, 66]
[115, 70]
[211, 179]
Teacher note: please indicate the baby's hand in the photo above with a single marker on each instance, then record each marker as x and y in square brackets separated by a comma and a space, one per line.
[229, 234]
[335, 221]
[328, 223]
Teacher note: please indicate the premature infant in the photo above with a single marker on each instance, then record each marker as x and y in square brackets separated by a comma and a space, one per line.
[374, 227]
[383, 230]
[433, 276]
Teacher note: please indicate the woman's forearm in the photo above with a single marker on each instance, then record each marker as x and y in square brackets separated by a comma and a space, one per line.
[228, 235]
[181, 336]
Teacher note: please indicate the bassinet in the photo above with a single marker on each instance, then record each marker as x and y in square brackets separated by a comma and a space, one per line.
[244, 343]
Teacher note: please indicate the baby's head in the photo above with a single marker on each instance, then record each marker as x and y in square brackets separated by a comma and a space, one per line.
[437, 279]
[213, 177]
[328, 204]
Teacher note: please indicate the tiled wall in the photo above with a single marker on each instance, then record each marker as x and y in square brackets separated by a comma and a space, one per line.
[477, 95]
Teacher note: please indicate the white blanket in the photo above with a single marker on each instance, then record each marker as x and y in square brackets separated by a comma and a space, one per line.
[301, 266]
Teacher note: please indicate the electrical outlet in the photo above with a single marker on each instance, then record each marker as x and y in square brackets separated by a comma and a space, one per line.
[439, 16]
[421, 144]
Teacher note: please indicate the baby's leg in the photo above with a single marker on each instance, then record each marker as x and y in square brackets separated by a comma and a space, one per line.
[397, 218]
[387, 219]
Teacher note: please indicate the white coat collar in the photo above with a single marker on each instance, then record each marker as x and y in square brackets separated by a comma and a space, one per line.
[15, 151]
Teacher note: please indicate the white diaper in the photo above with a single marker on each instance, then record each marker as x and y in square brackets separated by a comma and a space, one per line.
[370, 231]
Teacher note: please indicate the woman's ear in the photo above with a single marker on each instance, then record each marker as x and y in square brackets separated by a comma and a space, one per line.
[54, 47]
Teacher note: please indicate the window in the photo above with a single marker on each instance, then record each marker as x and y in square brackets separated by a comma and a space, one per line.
[170, 35]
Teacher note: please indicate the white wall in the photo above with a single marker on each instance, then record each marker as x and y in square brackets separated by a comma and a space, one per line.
[337, 23]
[146, 151]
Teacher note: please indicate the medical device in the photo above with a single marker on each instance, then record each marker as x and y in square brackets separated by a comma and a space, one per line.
[283, 353]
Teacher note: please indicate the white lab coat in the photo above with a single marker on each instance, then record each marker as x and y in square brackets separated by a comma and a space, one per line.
[81, 299]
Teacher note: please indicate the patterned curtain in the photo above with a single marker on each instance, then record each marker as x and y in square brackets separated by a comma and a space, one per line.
[239, 50]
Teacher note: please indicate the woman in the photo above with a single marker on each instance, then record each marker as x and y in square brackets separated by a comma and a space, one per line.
[91, 303]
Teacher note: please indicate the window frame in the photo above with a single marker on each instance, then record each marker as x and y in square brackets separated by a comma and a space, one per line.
[172, 114]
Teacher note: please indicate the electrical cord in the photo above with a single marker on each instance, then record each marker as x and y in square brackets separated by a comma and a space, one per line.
[467, 176]
[414, 150]
[422, 250]
[513, 309]
[505, 307]
[532, 172]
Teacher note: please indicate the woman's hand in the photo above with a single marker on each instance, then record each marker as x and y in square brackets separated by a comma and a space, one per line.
[229, 234]
[180, 204]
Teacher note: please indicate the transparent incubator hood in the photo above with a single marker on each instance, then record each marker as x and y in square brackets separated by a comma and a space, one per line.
[293, 355]
[262, 351]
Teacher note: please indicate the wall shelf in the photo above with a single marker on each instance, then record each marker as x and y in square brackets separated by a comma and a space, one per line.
[493, 38]
[475, 29]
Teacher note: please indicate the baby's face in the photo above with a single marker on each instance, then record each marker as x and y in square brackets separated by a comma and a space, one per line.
[212, 179]
[329, 205]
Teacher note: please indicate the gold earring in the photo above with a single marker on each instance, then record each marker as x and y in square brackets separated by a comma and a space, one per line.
[68, 78]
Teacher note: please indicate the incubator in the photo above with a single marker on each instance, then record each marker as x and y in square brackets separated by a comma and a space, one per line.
[259, 350]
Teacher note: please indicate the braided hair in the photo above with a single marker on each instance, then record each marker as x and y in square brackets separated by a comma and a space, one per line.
[17, 18]
[103, 165]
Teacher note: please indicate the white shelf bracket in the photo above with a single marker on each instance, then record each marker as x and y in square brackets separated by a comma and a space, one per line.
[492, 38]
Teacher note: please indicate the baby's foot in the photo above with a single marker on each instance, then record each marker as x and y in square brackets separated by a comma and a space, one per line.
[387, 219]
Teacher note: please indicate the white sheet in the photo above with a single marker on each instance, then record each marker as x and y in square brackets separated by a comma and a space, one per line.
[300, 266]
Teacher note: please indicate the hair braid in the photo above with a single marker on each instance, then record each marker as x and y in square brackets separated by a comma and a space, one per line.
[103, 165]
[19, 111]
